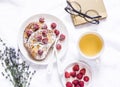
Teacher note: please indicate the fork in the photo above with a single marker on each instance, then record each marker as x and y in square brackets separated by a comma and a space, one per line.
[50, 65]
[59, 67]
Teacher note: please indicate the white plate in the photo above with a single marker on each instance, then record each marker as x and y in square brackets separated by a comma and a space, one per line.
[48, 20]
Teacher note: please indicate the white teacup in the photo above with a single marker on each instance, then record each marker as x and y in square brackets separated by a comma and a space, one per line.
[90, 45]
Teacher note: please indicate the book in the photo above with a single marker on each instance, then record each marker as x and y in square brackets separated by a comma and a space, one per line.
[97, 5]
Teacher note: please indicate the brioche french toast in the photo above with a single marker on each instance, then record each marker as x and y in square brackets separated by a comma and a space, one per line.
[39, 43]
[38, 39]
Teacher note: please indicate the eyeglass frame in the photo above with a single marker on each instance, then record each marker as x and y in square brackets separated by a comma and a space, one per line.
[94, 21]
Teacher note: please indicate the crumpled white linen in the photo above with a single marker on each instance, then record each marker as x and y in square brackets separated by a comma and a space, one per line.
[106, 72]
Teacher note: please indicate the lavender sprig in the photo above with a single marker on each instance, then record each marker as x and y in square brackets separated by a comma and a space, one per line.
[17, 72]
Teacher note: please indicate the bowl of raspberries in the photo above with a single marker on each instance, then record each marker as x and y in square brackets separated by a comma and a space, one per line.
[77, 74]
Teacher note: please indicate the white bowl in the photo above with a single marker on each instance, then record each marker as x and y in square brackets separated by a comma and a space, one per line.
[82, 64]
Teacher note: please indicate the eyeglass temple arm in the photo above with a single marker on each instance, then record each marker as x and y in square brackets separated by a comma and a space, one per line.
[67, 9]
[70, 5]
[84, 15]
[71, 9]
[95, 22]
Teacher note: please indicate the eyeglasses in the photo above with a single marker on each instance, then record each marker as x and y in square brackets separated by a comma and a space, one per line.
[91, 16]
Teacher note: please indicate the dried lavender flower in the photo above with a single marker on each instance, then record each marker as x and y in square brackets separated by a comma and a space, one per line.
[14, 70]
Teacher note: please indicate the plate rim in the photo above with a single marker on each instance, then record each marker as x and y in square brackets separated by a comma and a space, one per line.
[21, 31]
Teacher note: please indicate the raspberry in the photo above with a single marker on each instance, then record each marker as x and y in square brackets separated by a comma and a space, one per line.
[77, 86]
[81, 83]
[39, 38]
[73, 74]
[76, 67]
[44, 33]
[36, 27]
[86, 78]
[75, 82]
[56, 32]
[29, 32]
[68, 84]
[79, 76]
[67, 75]
[44, 26]
[83, 71]
[53, 25]
[40, 52]
[62, 37]
[58, 46]
[45, 40]
[41, 20]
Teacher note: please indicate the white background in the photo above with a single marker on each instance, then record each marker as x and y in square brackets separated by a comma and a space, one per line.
[106, 72]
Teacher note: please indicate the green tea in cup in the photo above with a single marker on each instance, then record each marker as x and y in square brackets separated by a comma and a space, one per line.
[91, 44]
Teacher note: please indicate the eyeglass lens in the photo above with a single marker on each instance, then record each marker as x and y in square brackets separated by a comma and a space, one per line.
[94, 16]
[76, 6]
